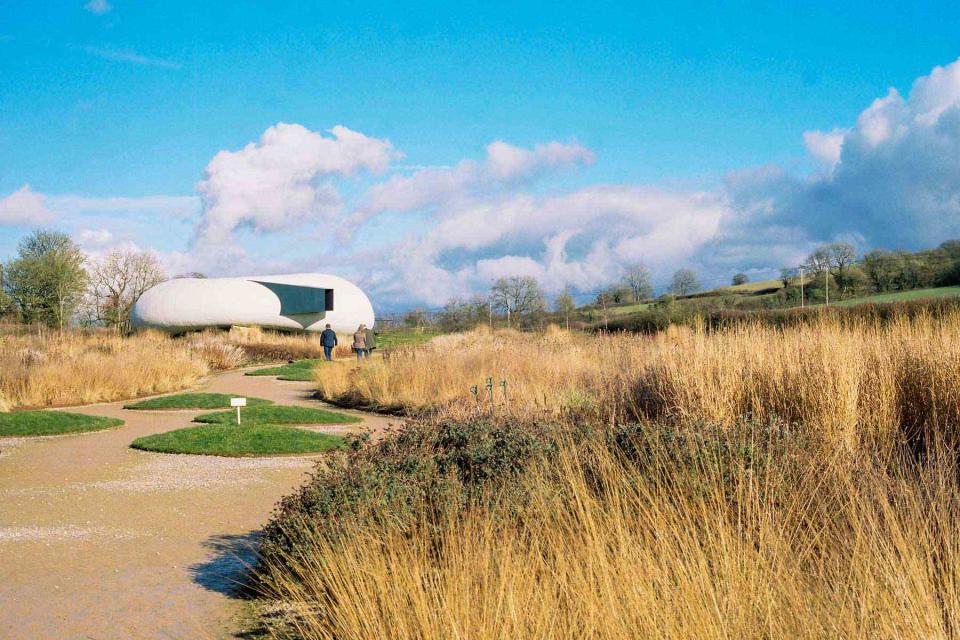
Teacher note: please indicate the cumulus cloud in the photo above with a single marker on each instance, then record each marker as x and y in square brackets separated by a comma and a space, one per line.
[895, 180]
[825, 146]
[503, 166]
[582, 239]
[506, 162]
[283, 180]
[891, 179]
[25, 207]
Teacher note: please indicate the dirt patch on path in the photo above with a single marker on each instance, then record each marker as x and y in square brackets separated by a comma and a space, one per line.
[98, 540]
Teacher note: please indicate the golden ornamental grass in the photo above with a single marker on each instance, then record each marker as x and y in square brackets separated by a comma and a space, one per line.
[75, 368]
[803, 542]
[835, 551]
[853, 384]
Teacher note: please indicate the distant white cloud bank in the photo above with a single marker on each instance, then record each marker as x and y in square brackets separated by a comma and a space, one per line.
[891, 179]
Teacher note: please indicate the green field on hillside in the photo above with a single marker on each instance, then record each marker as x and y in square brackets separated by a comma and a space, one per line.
[752, 287]
[901, 296]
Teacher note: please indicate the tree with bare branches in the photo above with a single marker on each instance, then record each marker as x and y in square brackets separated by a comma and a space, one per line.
[117, 280]
[636, 277]
[516, 296]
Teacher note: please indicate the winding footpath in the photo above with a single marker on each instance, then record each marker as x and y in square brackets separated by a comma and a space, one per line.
[100, 541]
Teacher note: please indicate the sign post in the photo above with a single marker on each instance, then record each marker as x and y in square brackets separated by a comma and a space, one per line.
[238, 402]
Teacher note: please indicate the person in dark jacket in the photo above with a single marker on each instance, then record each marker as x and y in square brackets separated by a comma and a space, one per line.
[329, 340]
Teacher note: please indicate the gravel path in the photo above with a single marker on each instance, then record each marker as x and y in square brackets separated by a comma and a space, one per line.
[100, 541]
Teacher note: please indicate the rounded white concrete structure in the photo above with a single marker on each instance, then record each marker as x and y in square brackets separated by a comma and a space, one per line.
[301, 301]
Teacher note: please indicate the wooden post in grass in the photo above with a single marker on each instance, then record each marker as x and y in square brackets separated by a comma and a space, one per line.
[238, 402]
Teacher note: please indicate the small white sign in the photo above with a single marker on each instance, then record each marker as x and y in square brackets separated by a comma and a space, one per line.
[238, 402]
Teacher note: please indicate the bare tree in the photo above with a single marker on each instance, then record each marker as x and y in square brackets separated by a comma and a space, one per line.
[117, 280]
[685, 282]
[786, 276]
[841, 256]
[637, 279]
[517, 295]
[604, 300]
[564, 304]
[819, 260]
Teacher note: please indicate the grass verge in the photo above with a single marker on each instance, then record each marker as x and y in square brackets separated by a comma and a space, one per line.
[237, 441]
[193, 401]
[299, 371]
[51, 423]
[282, 414]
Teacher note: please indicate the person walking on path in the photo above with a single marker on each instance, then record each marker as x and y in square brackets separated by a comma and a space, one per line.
[370, 340]
[360, 342]
[328, 339]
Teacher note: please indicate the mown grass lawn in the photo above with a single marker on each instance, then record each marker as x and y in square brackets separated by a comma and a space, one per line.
[193, 401]
[51, 423]
[299, 371]
[252, 439]
[278, 414]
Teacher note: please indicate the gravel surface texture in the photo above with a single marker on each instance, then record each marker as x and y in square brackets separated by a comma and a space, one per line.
[98, 540]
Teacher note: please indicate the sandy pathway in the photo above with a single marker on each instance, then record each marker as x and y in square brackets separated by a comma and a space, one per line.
[98, 540]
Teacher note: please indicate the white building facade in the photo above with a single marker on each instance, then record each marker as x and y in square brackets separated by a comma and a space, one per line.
[301, 301]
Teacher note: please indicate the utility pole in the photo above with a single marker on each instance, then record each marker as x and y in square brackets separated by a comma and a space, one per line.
[801, 287]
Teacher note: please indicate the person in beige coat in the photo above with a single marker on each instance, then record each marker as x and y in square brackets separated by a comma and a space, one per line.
[360, 342]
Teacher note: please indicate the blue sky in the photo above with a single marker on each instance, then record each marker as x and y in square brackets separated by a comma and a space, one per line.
[703, 106]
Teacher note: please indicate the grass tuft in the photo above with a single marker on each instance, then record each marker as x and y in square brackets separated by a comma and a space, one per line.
[193, 401]
[51, 423]
[299, 371]
[282, 414]
[239, 441]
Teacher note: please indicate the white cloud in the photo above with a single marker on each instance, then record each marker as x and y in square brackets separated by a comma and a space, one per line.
[504, 166]
[283, 180]
[582, 238]
[896, 183]
[825, 146]
[98, 7]
[506, 162]
[93, 237]
[892, 179]
[25, 207]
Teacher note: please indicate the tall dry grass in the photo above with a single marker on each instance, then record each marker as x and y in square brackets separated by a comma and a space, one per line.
[260, 345]
[76, 368]
[746, 516]
[53, 369]
[602, 547]
[852, 383]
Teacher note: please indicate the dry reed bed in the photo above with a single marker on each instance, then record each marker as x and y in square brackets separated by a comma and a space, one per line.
[98, 366]
[851, 383]
[605, 549]
[80, 368]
